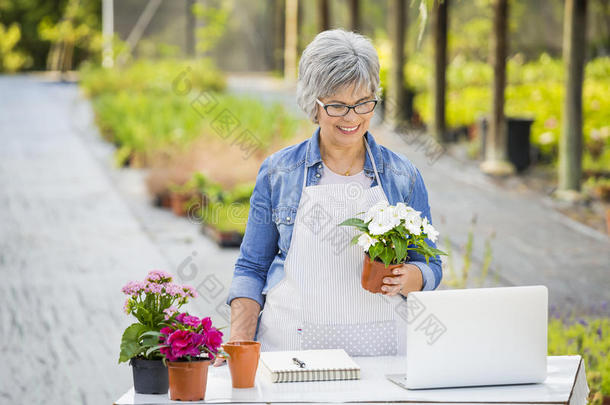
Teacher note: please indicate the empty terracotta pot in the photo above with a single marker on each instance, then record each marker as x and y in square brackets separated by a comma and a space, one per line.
[243, 361]
[373, 273]
[188, 379]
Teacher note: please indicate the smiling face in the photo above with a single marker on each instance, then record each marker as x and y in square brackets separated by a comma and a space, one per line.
[348, 130]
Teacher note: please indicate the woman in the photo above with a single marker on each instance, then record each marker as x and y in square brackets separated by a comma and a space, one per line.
[295, 263]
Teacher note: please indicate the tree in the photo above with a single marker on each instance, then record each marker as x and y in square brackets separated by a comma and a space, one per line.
[571, 140]
[496, 162]
[439, 83]
[396, 101]
[77, 28]
[323, 15]
[291, 40]
[354, 15]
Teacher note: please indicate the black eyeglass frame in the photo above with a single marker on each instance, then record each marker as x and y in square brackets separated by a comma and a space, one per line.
[349, 107]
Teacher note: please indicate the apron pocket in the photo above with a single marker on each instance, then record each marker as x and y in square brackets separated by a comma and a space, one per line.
[358, 339]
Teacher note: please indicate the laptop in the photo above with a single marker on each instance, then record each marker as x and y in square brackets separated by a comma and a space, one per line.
[475, 337]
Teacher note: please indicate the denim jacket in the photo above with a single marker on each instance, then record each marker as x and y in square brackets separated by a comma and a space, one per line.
[273, 209]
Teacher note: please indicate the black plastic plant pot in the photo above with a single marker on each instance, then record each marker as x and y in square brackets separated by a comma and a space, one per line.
[149, 376]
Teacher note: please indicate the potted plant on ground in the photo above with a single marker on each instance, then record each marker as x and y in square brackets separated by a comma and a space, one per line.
[188, 345]
[151, 302]
[389, 233]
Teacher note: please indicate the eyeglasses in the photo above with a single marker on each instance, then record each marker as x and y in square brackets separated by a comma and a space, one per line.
[340, 110]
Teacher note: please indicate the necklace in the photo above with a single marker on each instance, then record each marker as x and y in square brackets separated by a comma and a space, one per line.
[348, 169]
[347, 172]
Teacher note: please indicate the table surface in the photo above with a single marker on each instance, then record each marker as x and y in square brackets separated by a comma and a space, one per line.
[565, 384]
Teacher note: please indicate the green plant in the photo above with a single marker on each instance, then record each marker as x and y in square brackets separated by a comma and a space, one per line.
[389, 232]
[588, 336]
[11, 60]
[78, 27]
[453, 280]
[151, 302]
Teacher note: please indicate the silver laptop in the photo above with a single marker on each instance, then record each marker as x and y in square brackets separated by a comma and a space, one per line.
[479, 336]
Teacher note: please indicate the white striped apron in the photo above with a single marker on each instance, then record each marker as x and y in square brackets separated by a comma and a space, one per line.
[320, 303]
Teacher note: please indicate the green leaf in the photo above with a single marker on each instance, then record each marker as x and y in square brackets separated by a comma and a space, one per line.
[153, 349]
[355, 239]
[400, 245]
[356, 222]
[130, 342]
[387, 255]
[151, 333]
[375, 250]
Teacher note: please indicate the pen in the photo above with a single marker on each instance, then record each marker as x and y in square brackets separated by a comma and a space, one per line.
[298, 362]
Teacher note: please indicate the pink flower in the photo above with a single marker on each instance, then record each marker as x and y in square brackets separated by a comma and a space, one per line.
[153, 288]
[158, 276]
[189, 291]
[169, 312]
[173, 290]
[133, 288]
[126, 307]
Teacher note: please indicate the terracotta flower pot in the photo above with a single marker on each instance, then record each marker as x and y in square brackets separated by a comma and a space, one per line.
[188, 379]
[178, 203]
[373, 273]
[243, 362]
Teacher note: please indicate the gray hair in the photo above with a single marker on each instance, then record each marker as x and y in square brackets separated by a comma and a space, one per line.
[334, 59]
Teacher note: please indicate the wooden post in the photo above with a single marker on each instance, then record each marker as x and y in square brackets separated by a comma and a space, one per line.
[279, 28]
[439, 83]
[190, 29]
[354, 15]
[107, 33]
[323, 15]
[571, 140]
[395, 103]
[290, 40]
[496, 145]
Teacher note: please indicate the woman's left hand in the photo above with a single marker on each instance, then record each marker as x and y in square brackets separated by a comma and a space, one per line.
[407, 278]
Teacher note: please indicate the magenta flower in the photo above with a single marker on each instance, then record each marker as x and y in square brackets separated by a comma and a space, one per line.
[182, 338]
[191, 321]
[213, 339]
[206, 323]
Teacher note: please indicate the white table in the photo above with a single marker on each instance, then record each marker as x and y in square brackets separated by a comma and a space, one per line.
[566, 384]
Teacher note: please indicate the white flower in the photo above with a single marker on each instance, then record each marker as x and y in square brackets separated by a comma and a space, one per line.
[429, 230]
[403, 210]
[365, 241]
[379, 207]
[413, 222]
[383, 222]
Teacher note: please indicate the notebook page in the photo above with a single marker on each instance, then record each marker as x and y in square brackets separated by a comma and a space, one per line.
[328, 359]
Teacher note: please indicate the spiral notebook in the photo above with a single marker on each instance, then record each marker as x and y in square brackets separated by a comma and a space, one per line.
[320, 365]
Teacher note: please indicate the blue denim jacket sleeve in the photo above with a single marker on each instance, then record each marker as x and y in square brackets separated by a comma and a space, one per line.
[259, 244]
[432, 271]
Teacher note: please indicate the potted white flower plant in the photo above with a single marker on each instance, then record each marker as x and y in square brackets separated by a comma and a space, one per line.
[389, 233]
